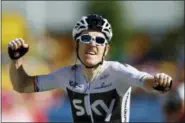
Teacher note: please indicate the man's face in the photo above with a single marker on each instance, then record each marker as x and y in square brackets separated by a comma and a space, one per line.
[91, 53]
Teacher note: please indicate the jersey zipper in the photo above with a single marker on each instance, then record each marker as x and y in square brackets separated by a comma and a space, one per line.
[89, 101]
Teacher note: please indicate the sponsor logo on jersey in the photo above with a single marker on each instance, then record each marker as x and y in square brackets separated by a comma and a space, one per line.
[141, 79]
[104, 76]
[94, 107]
[103, 85]
[73, 67]
[103, 106]
[74, 84]
[125, 108]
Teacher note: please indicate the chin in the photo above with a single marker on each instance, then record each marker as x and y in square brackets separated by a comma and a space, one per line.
[90, 62]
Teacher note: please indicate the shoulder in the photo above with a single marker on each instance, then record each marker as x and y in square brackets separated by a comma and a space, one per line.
[119, 67]
[115, 65]
[66, 69]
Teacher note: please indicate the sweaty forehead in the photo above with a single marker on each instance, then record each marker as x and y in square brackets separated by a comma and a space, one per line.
[93, 33]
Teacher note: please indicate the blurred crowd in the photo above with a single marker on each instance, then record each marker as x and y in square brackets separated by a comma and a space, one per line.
[51, 50]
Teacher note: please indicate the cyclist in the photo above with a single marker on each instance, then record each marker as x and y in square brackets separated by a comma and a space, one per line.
[96, 86]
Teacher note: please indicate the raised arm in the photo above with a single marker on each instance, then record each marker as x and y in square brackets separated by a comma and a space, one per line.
[24, 83]
[160, 82]
[20, 80]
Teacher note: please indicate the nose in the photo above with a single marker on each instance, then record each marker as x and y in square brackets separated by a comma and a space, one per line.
[92, 43]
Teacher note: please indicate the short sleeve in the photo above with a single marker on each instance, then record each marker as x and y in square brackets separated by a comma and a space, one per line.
[54, 80]
[128, 75]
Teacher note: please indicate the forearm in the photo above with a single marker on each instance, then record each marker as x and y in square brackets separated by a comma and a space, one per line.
[20, 80]
[148, 82]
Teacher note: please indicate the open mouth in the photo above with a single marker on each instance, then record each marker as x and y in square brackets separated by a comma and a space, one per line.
[90, 53]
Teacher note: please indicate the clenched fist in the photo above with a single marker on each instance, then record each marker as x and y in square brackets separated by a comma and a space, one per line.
[163, 82]
[17, 48]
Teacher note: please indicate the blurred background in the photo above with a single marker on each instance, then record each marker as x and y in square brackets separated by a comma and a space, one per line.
[146, 34]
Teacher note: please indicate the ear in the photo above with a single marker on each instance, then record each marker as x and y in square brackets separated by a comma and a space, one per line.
[107, 49]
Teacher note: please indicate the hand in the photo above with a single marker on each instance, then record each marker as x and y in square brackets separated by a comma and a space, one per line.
[17, 48]
[163, 82]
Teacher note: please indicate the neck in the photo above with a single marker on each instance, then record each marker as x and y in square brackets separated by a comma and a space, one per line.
[91, 74]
